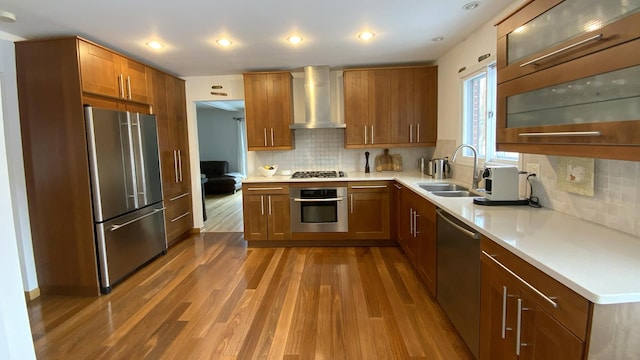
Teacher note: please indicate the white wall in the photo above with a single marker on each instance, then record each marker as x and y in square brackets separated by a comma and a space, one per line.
[15, 332]
[218, 136]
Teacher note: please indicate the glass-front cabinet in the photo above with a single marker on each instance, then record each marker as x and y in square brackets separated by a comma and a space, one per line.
[569, 79]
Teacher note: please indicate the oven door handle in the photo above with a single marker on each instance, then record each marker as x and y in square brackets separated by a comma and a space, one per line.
[318, 200]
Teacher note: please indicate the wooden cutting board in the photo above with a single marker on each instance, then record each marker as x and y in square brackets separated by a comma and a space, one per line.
[388, 162]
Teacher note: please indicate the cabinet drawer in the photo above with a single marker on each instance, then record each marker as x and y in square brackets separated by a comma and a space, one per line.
[265, 188]
[572, 311]
[370, 186]
[178, 206]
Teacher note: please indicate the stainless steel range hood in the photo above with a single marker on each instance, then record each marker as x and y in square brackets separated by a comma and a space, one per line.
[317, 100]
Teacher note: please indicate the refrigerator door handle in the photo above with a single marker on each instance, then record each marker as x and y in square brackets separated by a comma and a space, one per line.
[118, 226]
[140, 165]
[132, 159]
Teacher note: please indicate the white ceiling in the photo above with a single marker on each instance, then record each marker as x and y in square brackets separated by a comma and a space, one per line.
[258, 28]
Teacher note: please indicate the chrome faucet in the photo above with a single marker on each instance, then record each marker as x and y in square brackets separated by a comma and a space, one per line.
[476, 176]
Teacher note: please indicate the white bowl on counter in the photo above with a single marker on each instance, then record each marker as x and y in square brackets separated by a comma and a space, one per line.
[268, 172]
[285, 172]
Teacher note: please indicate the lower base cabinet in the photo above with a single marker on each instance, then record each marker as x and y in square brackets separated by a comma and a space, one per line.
[416, 234]
[525, 314]
[266, 211]
[369, 214]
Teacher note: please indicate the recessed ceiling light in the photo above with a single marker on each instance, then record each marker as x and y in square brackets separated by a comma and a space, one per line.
[437, 38]
[6, 16]
[295, 39]
[224, 42]
[366, 35]
[155, 45]
[471, 6]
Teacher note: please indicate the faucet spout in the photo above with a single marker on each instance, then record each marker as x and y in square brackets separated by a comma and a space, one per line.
[476, 175]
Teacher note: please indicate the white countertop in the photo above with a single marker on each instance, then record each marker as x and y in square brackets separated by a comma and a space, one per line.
[597, 262]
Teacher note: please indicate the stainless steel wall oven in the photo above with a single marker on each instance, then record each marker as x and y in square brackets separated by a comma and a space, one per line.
[319, 209]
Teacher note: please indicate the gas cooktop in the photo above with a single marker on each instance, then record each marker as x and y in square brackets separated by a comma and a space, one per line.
[317, 174]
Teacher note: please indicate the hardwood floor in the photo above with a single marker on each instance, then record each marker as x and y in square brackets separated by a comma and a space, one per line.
[224, 213]
[212, 298]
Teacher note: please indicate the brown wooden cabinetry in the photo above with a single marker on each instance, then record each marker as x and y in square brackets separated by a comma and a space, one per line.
[55, 78]
[569, 93]
[417, 235]
[369, 210]
[390, 106]
[169, 106]
[266, 211]
[109, 74]
[526, 314]
[269, 110]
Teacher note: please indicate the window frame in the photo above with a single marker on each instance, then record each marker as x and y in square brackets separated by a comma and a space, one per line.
[489, 69]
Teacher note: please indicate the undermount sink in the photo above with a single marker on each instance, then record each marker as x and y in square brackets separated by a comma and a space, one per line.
[438, 187]
[453, 193]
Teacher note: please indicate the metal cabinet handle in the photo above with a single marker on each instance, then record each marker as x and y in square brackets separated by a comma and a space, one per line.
[463, 230]
[121, 85]
[519, 343]
[118, 226]
[269, 205]
[320, 200]
[410, 133]
[504, 312]
[566, 48]
[265, 137]
[411, 221]
[371, 134]
[546, 298]
[369, 187]
[180, 163]
[415, 224]
[181, 216]
[398, 186]
[175, 164]
[272, 143]
[365, 134]
[561, 133]
[418, 132]
[129, 87]
[179, 197]
[264, 188]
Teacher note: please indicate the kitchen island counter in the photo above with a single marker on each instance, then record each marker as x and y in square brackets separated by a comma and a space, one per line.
[597, 262]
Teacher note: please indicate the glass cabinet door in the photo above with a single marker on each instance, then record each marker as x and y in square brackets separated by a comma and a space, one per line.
[612, 96]
[563, 22]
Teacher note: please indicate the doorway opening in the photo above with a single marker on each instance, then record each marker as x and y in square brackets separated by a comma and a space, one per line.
[223, 161]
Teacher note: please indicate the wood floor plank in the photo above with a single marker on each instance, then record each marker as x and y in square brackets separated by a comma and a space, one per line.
[212, 298]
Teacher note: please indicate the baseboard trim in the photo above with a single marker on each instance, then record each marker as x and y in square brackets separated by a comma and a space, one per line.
[32, 294]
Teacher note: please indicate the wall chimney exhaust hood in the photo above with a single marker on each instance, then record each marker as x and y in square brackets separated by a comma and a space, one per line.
[317, 100]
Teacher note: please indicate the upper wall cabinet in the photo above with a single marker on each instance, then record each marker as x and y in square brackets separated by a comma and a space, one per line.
[269, 110]
[109, 74]
[391, 106]
[569, 79]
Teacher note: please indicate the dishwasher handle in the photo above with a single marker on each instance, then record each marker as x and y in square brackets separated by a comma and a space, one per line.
[471, 234]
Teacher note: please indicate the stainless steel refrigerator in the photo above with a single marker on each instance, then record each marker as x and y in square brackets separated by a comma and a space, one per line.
[126, 191]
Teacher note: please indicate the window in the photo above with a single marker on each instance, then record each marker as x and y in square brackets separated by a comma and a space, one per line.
[478, 116]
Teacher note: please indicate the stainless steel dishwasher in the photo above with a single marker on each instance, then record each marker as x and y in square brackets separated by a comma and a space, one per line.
[458, 277]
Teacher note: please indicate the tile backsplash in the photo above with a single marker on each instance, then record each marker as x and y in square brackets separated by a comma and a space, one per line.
[323, 149]
[616, 200]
